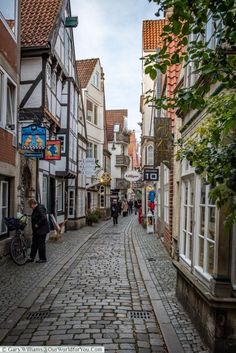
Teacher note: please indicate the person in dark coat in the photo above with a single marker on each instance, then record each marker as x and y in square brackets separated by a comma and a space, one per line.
[114, 211]
[40, 228]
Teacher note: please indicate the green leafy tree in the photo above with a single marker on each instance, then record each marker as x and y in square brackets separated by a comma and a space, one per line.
[212, 150]
[187, 28]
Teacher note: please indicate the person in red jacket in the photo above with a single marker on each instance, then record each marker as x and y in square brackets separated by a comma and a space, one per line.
[140, 216]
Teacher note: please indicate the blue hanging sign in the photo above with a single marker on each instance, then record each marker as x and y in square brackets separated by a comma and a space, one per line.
[33, 138]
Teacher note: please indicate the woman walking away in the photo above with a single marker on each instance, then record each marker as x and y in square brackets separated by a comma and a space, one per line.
[114, 211]
[125, 207]
[40, 229]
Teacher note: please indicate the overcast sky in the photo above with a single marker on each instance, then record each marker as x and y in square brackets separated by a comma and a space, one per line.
[111, 30]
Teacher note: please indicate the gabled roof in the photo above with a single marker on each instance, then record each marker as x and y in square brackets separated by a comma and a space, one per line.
[152, 30]
[85, 69]
[115, 116]
[38, 18]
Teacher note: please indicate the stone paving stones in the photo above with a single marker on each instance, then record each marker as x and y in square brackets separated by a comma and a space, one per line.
[163, 275]
[89, 300]
[90, 296]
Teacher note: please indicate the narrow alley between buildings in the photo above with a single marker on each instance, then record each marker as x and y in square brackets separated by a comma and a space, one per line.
[106, 285]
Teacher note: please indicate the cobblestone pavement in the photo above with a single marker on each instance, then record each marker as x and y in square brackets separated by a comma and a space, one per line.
[88, 290]
[90, 301]
[17, 281]
[163, 275]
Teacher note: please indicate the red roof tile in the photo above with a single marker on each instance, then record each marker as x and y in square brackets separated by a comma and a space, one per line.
[115, 116]
[38, 17]
[152, 30]
[85, 69]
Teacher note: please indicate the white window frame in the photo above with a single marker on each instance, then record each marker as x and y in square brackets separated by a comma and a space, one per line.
[95, 80]
[150, 155]
[90, 150]
[89, 113]
[11, 104]
[6, 79]
[187, 208]
[203, 270]
[60, 197]
[3, 227]
[95, 114]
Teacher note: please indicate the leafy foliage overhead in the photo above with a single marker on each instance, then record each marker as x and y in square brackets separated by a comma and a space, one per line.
[212, 56]
[187, 23]
[212, 151]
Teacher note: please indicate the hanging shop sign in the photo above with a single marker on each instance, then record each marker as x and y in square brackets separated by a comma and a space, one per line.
[151, 174]
[105, 178]
[52, 150]
[33, 141]
[132, 175]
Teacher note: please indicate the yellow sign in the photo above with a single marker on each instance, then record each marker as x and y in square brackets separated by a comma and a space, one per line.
[105, 178]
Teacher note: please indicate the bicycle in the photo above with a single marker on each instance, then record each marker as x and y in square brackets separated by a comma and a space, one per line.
[18, 246]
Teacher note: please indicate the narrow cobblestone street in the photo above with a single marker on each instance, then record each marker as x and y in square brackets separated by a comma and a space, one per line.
[111, 286]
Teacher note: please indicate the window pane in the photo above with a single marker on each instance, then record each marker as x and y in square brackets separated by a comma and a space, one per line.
[10, 103]
[190, 247]
[95, 114]
[201, 252]
[191, 193]
[210, 257]
[4, 194]
[185, 217]
[203, 194]
[202, 220]
[59, 196]
[71, 202]
[95, 151]
[4, 214]
[186, 195]
[191, 219]
[211, 223]
[184, 242]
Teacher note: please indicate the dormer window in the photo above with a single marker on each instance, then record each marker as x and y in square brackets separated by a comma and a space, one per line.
[95, 80]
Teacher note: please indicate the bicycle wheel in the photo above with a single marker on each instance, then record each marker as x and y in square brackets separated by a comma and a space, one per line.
[18, 250]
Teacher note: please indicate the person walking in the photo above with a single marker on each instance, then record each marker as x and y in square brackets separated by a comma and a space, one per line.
[114, 211]
[125, 207]
[40, 228]
[130, 206]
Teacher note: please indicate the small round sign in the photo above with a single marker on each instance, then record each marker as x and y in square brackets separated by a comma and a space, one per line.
[132, 175]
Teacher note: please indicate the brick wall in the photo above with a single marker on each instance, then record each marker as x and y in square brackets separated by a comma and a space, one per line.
[7, 151]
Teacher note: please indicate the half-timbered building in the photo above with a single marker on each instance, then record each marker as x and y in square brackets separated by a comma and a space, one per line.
[49, 97]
